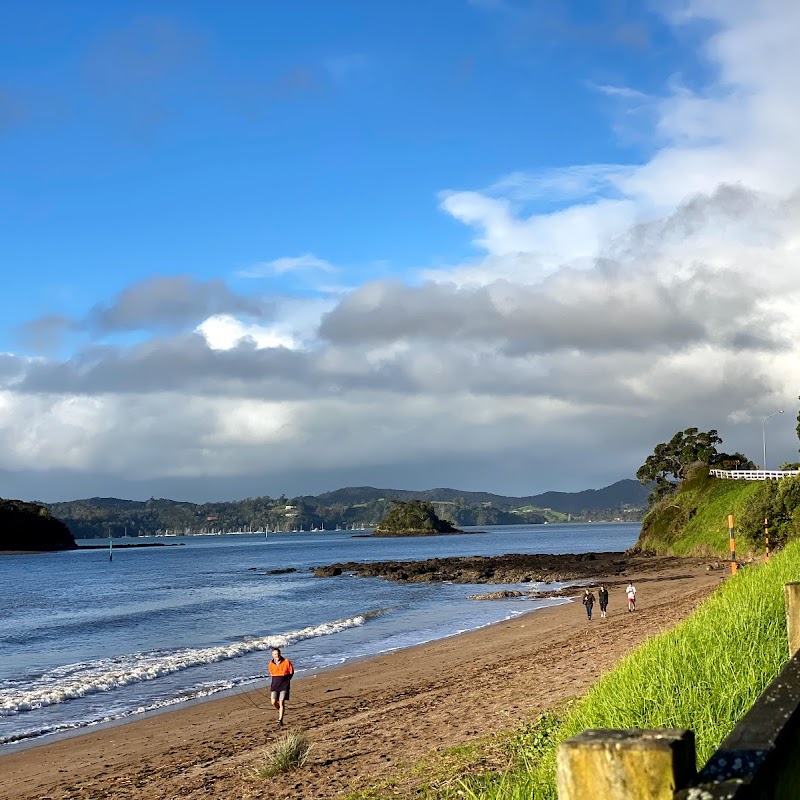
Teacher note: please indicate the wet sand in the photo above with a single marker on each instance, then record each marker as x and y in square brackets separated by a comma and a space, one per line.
[369, 719]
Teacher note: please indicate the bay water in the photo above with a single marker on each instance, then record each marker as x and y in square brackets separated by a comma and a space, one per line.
[86, 640]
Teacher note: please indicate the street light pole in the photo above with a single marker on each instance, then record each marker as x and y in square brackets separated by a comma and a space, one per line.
[764, 435]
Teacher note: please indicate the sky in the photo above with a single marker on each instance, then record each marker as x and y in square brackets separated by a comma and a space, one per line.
[262, 248]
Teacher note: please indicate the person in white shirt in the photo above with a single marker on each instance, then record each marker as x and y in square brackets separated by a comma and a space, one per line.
[631, 594]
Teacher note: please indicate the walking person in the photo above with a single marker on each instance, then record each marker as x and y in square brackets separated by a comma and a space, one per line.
[602, 598]
[630, 592]
[281, 671]
[588, 601]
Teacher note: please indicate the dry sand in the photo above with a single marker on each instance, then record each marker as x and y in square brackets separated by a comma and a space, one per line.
[369, 719]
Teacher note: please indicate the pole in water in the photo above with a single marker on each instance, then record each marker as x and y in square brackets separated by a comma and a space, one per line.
[110, 546]
[734, 565]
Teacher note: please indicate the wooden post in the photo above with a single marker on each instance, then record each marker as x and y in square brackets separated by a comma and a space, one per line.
[625, 765]
[766, 538]
[792, 597]
[734, 565]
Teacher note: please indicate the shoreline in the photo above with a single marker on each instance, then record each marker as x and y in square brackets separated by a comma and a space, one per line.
[369, 719]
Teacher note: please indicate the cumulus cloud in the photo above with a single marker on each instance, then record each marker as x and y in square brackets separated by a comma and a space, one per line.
[168, 302]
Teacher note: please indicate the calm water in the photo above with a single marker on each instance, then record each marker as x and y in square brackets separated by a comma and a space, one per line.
[84, 640]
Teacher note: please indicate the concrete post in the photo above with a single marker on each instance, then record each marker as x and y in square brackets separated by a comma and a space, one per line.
[625, 765]
[792, 596]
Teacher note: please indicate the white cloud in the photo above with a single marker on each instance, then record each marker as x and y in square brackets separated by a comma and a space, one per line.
[283, 266]
[223, 332]
[623, 92]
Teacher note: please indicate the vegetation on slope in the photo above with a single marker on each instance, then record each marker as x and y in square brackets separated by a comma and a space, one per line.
[29, 526]
[694, 520]
[415, 517]
[703, 675]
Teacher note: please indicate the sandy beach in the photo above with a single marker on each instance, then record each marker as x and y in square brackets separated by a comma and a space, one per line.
[369, 719]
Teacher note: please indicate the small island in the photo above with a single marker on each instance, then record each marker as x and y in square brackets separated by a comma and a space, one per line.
[413, 518]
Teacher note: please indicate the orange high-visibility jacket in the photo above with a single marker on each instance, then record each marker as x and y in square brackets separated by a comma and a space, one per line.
[283, 667]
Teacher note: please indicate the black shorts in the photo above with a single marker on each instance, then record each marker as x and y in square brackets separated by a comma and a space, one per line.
[279, 687]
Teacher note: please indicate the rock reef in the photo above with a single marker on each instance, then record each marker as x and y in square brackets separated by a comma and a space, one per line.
[511, 568]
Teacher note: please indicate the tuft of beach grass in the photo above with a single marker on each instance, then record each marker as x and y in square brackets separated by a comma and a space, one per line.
[288, 753]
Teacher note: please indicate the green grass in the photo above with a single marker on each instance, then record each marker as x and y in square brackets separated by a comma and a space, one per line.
[703, 675]
[694, 521]
[286, 754]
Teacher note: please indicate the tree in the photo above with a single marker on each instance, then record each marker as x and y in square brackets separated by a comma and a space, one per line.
[670, 460]
[731, 461]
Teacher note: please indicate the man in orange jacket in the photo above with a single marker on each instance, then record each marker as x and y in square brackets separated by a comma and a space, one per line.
[281, 671]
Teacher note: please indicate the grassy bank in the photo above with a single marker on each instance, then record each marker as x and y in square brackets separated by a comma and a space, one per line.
[702, 675]
[694, 521]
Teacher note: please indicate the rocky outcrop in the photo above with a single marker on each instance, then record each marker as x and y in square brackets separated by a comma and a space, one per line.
[328, 572]
[29, 527]
[512, 568]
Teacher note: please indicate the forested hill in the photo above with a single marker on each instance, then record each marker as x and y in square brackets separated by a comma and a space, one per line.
[31, 527]
[346, 508]
[622, 494]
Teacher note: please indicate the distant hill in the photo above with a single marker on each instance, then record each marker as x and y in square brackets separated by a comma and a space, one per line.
[625, 493]
[351, 507]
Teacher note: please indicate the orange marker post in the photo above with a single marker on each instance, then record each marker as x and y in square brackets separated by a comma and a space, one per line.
[734, 565]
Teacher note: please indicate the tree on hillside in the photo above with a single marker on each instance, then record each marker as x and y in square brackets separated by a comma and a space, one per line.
[667, 464]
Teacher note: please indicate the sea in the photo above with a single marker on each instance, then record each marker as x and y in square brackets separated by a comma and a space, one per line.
[87, 640]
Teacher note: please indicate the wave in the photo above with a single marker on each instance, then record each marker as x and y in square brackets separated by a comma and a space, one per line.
[104, 675]
[202, 690]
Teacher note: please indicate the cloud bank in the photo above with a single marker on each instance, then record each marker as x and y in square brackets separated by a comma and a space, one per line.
[649, 297]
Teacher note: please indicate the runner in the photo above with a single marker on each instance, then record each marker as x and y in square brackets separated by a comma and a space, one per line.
[281, 671]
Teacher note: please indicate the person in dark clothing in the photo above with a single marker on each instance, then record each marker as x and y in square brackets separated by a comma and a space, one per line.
[281, 671]
[588, 601]
[602, 597]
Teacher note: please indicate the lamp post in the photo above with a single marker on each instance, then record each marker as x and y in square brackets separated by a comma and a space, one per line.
[764, 435]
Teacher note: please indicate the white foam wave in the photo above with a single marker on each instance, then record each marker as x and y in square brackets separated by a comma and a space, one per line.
[78, 680]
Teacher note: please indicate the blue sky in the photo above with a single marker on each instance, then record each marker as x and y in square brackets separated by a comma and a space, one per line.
[337, 209]
[214, 137]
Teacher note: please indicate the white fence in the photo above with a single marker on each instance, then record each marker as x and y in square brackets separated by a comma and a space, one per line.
[753, 474]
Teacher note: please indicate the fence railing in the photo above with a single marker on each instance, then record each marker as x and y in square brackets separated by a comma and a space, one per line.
[759, 760]
[753, 474]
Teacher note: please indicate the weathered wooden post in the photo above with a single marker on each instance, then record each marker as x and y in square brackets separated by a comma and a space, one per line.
[625, 765]
[732, 538]
[792, 597]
